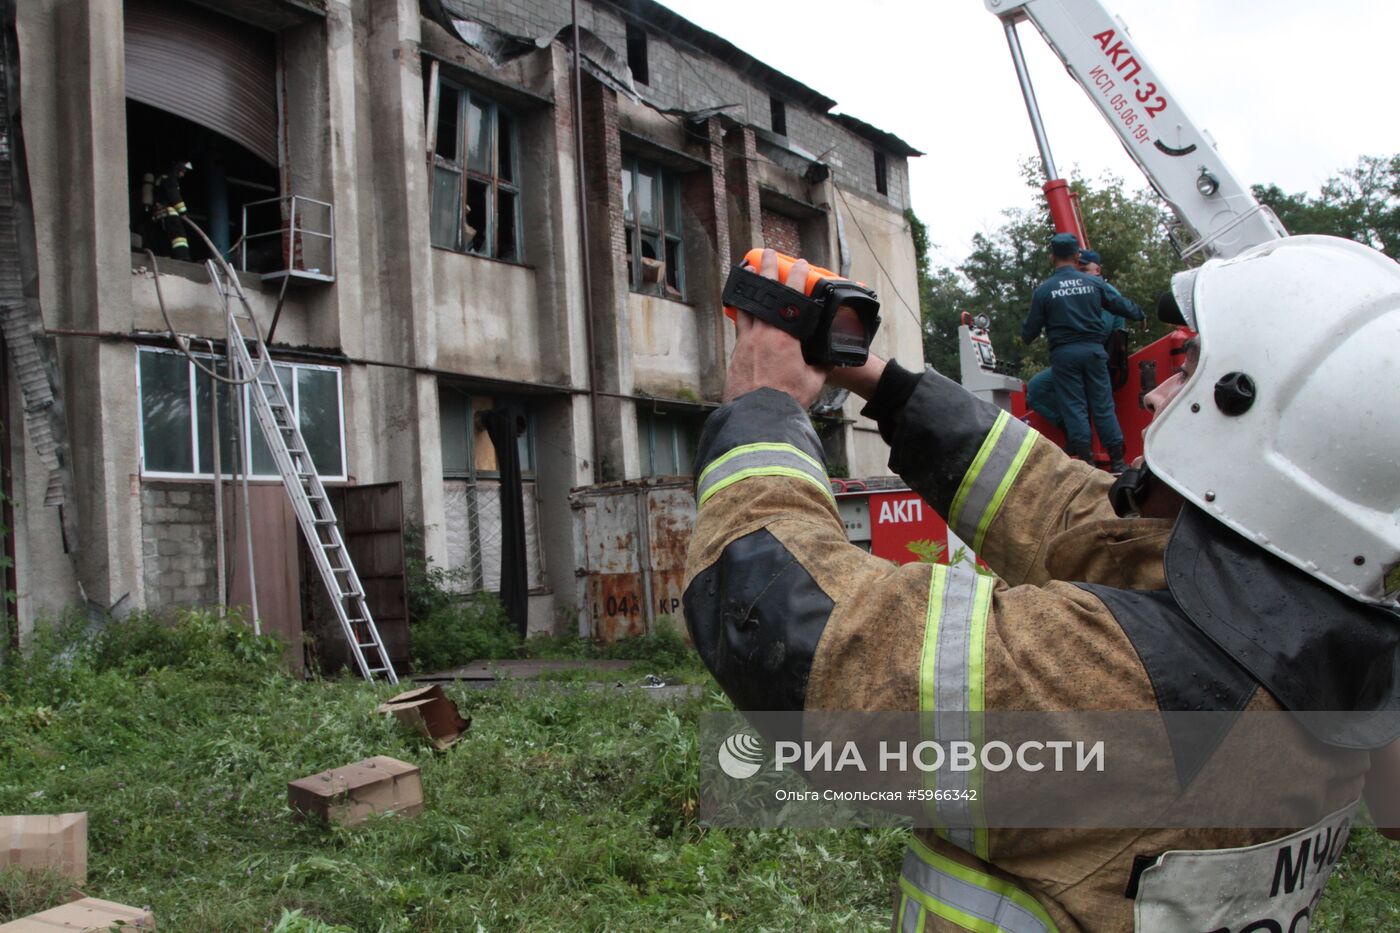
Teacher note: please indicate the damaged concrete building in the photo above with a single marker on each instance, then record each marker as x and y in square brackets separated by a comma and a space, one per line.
[406, 186]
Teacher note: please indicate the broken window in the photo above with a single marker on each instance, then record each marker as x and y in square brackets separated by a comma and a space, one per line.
[637, 52]
[467, 450]
[177, 429]
[778, 112]
[476, 187]
[668, 440]
[651, 215]
[472, 491]
[882, 180]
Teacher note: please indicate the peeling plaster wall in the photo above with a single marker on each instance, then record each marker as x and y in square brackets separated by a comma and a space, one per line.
[355, 135]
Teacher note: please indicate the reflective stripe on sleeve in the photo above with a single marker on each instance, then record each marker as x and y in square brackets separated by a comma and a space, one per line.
[987, 480]
[965, 896]
[760, 460]
[951, 687]
[910, 918]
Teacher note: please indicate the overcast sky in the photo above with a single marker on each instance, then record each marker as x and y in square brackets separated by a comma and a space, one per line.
[1291, 90]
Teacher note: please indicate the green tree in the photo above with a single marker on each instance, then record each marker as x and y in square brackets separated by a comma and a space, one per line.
[943, 295]
[1360, 203]
[1126, 227]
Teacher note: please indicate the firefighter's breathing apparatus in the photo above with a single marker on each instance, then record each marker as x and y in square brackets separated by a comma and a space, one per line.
[834, 317]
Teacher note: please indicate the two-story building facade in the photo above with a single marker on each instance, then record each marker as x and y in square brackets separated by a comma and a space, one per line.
[430, 226]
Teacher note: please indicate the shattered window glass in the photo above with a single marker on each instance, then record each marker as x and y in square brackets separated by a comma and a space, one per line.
[476, 176]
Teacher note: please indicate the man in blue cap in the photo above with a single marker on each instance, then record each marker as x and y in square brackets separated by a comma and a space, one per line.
[1069, 307]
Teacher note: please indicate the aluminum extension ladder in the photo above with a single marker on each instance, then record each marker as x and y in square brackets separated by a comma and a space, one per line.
[304, 489]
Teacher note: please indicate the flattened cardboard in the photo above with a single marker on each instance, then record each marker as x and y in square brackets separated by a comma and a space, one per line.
[348, 795]
[429, 712]
[89, 915]
[57, 841]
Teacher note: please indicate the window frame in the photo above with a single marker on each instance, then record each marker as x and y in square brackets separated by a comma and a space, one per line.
[777, 115]
[677, 420]
[249, 419]
[461, 166]
[472, 474]
[664, 180]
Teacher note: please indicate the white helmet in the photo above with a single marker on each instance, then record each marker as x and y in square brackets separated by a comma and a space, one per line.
[1289, 429]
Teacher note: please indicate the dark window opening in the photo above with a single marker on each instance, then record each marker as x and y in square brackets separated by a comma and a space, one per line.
[778, 111]
[651, 216]
[476, 192]
[224, 176]
[668, 440]
[882, 180]
[637, 52]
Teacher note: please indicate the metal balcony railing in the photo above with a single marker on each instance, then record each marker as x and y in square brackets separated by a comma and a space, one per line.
[290, 237]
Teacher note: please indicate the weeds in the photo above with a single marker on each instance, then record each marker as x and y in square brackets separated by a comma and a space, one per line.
[454, 634]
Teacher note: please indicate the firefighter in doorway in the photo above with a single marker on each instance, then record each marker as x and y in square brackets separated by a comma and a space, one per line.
[1185, 585]
[169, 209]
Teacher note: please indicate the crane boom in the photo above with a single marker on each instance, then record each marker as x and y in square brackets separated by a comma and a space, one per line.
[1221, 215]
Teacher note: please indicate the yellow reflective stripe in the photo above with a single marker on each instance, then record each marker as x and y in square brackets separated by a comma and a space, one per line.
[763, 471]
[988, 479]
[937, 580]
[764, 459]
[946, 911]
[1003, 488]
[989, 444]
[179, 241]
[952, 693]
[755, 448]
[977, 702]
[998, 887]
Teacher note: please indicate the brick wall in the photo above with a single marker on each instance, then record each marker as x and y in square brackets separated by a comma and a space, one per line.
[602, 160]
[781, 233]
[177, 543]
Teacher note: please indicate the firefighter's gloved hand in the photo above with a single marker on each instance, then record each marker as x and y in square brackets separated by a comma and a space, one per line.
[765, 357]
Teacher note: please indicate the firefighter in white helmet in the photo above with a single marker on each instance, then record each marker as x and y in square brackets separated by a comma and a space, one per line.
[1252, 563]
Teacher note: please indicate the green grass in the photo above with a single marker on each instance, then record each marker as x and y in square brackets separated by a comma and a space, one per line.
[565, 807]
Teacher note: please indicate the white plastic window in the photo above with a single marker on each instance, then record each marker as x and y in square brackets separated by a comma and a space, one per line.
[177, 428]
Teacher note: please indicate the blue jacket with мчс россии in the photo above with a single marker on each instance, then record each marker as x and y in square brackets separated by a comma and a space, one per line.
[1068, 307]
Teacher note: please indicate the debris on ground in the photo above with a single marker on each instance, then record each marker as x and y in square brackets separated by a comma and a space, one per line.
[88, 915]
[351, 794]
[429, 712]
[47, 841]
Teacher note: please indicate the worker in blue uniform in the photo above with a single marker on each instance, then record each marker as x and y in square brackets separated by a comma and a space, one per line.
[1068, 307]
[1040, 388]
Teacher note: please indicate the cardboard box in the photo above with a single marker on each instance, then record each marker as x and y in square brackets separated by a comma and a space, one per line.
[430, 713]
[56, 841]
[89, 915]
[350, 794]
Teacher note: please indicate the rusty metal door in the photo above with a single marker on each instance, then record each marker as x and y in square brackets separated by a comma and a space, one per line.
[372, 519]
[634, 537]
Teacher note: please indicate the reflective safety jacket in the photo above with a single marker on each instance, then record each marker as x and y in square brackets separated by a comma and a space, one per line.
[169, 202]
[790, 616]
